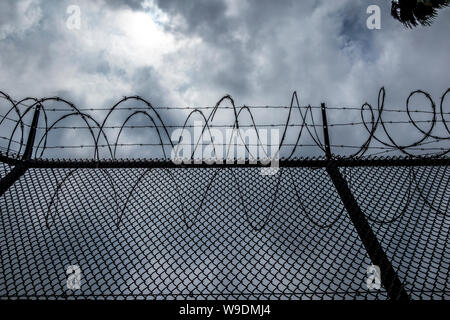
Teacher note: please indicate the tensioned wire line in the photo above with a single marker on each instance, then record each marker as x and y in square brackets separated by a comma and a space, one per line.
[223, 107]
[343, 124]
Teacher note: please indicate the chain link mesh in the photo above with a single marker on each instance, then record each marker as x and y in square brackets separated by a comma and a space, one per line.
[221, 233]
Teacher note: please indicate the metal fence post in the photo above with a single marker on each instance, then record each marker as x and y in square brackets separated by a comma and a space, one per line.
[389, 277]
[21, 168]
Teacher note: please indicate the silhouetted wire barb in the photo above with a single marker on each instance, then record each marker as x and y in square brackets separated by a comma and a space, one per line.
[150, 112]
[305, 123]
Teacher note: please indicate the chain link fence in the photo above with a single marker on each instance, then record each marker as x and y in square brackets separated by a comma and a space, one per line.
[221, 233]
[347, 226]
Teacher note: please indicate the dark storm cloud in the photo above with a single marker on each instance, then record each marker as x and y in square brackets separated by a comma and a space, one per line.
[204, 17]
[132, 4]
[238, 38]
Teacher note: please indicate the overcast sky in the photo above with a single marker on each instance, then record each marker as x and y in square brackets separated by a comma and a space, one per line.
[179, 53]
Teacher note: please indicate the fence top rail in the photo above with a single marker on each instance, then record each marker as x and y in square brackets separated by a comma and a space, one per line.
[313, 162]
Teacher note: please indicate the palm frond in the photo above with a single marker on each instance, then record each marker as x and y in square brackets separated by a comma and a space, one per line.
[417, 12]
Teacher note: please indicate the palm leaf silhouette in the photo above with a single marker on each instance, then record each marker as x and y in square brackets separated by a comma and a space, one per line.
[417, 12]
